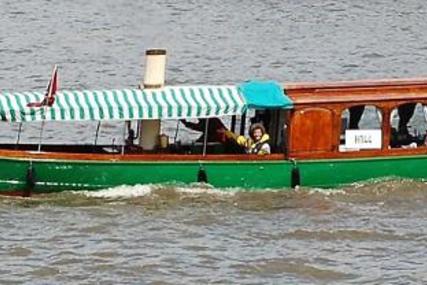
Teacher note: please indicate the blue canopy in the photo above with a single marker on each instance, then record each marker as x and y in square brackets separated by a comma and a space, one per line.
[265, 95]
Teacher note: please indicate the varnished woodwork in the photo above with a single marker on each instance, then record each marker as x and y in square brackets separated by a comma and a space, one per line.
[135, 157]
[422, 150]
[358, 92]
[312, 130]
[385, 95]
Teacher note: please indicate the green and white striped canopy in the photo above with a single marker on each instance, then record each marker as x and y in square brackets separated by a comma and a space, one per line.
[125, 104]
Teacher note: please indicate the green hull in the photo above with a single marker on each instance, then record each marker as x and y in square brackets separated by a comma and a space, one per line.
[55, 175]
[333, 173]
[60, 175]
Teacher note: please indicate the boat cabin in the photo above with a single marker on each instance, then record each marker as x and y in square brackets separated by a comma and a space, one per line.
[357, 118]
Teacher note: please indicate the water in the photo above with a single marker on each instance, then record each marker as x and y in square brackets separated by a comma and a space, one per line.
[373, 233]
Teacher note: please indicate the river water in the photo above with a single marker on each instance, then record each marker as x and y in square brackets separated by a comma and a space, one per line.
[371, 233]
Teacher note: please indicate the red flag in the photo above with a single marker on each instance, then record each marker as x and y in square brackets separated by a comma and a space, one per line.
[49, 97]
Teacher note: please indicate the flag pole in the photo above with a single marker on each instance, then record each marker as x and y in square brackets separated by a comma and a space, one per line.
[48, 101]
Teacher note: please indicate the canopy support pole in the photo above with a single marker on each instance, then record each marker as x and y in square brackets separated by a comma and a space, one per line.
[40, 137]
[97, 133]
[176, 132]
[19, 134]
[138, 123]
[205, 137]
[124, 138]
[242, 124]
[233, 123]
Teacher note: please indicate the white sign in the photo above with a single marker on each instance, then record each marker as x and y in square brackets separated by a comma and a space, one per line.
[363, 139]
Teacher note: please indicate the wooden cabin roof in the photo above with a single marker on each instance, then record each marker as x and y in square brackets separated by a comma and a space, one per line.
[363, 91]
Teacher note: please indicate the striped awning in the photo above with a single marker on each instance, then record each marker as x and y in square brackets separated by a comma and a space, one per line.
[125, 104]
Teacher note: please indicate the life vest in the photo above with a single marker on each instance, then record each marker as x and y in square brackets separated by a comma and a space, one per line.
[255, 148]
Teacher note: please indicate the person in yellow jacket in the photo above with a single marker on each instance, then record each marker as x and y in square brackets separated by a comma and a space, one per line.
[257, 143]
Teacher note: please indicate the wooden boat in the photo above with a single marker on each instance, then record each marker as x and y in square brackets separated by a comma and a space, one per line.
[322, 135]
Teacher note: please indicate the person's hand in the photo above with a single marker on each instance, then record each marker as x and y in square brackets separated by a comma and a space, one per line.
[241, 140]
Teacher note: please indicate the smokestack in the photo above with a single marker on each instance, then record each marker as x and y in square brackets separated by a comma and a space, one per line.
[154, 78]
[155, 69]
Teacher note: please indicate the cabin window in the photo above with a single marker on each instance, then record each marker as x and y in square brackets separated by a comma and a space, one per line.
[361, 128]
[86, 136]
[188, 136]
[408, 126]
[57, 133]
[276, 125]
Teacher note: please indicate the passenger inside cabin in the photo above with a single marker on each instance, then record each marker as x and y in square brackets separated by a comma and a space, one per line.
[356, 113]
[215, 132]
[405, 112]
[258, 142]
[262, 117]
[400, 135]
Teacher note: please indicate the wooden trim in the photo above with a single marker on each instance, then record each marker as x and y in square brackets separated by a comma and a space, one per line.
[422, 150]
[373, 83]
[13, 154]
[386, 128]
[363, 92]
[358, 98]
[136, 157]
